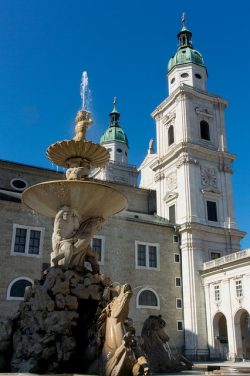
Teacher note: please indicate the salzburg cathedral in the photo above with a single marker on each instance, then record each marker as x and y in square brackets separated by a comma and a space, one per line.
[177, 242]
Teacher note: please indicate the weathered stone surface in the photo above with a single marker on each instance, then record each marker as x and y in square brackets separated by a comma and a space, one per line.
[71, 302]
[60, 301]
[61, 287]
[66, 321]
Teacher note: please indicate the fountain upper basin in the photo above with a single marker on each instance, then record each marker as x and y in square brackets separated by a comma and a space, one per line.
[88, 198]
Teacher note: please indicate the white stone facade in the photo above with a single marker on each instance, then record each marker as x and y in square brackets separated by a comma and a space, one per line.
[226, 282]
[191, 173]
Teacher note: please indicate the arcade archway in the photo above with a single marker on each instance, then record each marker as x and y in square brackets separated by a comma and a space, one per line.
[220, 336]
[242, 334]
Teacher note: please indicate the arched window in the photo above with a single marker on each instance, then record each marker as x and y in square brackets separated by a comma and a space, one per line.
[170, 135]
[147, 298]
[17, 287]
[205, 133]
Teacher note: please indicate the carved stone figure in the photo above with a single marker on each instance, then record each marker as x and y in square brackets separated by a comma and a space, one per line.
[71, 239]
[118, 355]
[156, 346]
[66, 223]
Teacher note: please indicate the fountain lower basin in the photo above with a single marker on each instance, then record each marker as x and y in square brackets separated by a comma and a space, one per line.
[90, 199]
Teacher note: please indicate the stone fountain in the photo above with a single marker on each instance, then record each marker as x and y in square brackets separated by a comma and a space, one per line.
[73, 320]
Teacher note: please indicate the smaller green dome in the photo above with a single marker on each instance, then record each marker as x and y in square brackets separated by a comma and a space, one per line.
[114, 134]
[114, 131]
[185, 53]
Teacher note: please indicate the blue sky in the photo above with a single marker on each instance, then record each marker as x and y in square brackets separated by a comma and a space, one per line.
[124, 46]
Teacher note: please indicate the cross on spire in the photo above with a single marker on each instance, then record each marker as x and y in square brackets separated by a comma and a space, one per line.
[183, 19]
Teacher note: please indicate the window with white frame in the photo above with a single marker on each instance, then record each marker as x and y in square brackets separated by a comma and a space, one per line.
[177, 281]
[176, 239]
[239, 288]
[212, 211]
[178, 303]
[147, 298]
[176, 257]
[16, 288]
[170, 135]
[98, 243]
[217, 293]
[179, 326]
[147, 256]
[171, 214]
[27, 240]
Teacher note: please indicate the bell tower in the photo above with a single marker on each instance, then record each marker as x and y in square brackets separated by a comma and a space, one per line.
[187, 65]
[114, 139]
[193, 179]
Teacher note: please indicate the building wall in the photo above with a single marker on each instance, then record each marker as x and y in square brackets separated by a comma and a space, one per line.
[120, 234]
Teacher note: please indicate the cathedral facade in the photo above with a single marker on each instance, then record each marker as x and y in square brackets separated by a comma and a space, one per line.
[177, 243]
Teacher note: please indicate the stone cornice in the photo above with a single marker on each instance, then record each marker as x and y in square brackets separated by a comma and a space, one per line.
[211, 190]
[194, 226]
[184, 89]
[204, 112]
[191, 154]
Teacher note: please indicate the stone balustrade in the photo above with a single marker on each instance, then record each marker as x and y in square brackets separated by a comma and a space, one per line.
[226, 259]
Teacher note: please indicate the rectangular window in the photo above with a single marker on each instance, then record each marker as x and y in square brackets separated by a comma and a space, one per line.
[34, 243]
[212, 211]
[141, 255]
[217, 293]
[214, 255]
[178, 303]
[177, 281]
[27, 240]
[152, 250]
[179, 326]
[98, 247]
[171, 213]
[147, 255]
[20, 240]
[239, 288]
[176, 257]
[176, 239]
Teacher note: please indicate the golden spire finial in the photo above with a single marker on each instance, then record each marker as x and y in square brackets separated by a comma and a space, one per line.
[183, 19]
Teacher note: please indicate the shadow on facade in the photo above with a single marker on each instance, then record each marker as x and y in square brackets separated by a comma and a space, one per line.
[194, 352]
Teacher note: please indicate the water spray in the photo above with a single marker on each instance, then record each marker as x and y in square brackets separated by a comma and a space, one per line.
[84, 91]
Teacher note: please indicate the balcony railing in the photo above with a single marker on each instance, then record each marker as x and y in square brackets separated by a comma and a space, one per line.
[226, 259]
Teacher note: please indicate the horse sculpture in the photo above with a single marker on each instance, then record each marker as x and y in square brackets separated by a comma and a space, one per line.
[120, 354]
[156, 346]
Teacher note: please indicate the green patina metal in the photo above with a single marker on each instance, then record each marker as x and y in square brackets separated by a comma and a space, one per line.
[185, 53]
[114, 131]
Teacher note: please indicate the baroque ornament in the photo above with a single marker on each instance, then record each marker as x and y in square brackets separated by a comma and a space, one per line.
[208, 177]
[172, 181]
[185, 158]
